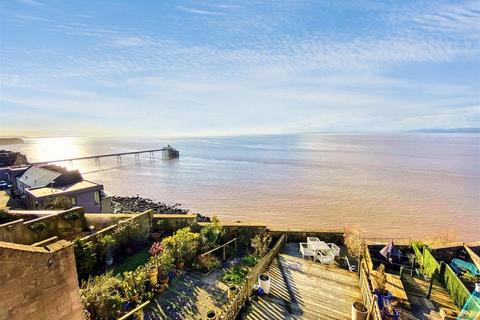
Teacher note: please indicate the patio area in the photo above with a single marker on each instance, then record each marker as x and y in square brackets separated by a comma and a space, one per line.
[190, 296]
[303, 289]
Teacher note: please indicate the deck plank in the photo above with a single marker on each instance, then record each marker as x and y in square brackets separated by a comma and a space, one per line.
[303, 289]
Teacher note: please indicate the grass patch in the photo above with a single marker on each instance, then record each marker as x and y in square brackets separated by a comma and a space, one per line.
[133, 262]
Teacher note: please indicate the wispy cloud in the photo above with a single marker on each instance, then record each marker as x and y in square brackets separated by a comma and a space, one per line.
[31, 2]
[269, 72]
[200, 11]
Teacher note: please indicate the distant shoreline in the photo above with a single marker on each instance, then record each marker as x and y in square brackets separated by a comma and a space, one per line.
[5, 141]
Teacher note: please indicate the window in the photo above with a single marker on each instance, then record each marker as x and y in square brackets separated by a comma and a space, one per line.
[96, 196]
[73, 200]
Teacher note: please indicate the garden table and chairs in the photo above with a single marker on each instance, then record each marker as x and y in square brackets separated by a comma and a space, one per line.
[319, 250]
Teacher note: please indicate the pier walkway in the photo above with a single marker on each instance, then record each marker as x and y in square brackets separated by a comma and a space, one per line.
[167, 152]
[302, 289]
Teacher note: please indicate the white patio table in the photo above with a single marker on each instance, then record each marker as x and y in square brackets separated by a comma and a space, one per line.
[315, 244]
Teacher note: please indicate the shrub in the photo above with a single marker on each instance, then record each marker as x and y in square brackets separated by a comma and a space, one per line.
[37, 227]
[183, 245]
[234, 275]
[212, 233]
[354, 241]
[101, 296]
[207, 262]
[260, 244]
[6, 217]
[85, 257]
[381, 279]
[134, 285]
[128, 233]
[71, 217]
[164, 262]
[250, 260]
[156, 249]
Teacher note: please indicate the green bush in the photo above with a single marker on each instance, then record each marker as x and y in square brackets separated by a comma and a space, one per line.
[212, 233]
[183, 245]
[260, 244]
[234, 275]
[250, 260]
[6, 217]
[102, 296]
[85, 257]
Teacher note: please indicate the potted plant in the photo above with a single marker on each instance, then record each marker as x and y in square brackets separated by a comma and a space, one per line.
[383, 295]
[359, 311]
[211, 315]
[264, 282]
[389, 311]
[165, 265]
[152, 272]
[108, 243]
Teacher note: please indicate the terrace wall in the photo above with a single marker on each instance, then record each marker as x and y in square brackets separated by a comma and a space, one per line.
[55, 225]
[39, 283]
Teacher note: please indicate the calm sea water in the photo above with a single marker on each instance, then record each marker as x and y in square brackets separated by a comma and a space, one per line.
[398, 185]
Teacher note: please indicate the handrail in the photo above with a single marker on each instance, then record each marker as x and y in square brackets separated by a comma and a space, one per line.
[366, 290]
[219, 247]
[134, 311]
[246, 287]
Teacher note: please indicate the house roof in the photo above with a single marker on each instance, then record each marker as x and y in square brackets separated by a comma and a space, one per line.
[38, 177]
[76, 188]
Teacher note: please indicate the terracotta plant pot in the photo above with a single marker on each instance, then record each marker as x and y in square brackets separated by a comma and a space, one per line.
[359, 311]
[232, 292]
[264, 282]
[153, 276]
[211, 315]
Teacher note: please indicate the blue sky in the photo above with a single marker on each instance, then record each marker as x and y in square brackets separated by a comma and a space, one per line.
[152, 68]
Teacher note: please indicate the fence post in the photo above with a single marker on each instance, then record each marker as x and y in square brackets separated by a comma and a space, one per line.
[413, 266]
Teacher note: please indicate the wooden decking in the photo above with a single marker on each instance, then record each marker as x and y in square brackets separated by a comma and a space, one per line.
[422, 307]
[303, 289]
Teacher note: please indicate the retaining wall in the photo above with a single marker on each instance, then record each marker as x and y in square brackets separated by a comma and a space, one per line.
[39, 282]
[20, 231]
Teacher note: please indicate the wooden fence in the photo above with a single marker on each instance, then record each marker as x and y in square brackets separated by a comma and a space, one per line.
[369, 299]
[246, 287]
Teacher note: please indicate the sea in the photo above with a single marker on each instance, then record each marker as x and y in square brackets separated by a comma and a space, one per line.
[402, 185]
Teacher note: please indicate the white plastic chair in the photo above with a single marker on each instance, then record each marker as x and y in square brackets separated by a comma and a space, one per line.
[335, 249]
[325, 257]
[305, 250]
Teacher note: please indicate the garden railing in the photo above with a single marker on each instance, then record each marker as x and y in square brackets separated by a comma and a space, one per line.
[246, 287]
[224, 246]
[366, 290]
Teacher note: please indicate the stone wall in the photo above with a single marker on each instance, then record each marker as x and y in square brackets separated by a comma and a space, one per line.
[172, 222]
[55, 225]
[39, 283]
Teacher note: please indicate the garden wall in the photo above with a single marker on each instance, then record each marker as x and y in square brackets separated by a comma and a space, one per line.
[39, 283]
[51, 225]
[301, 236]
[144, 219]
[172, 222]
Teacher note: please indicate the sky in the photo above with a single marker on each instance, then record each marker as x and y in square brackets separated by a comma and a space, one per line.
[166, 68]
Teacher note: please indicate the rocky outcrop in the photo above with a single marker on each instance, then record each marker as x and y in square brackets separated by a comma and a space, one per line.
[10, 158]
[139, 204]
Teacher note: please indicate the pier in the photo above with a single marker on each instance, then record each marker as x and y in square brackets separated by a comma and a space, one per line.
[168, 152]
